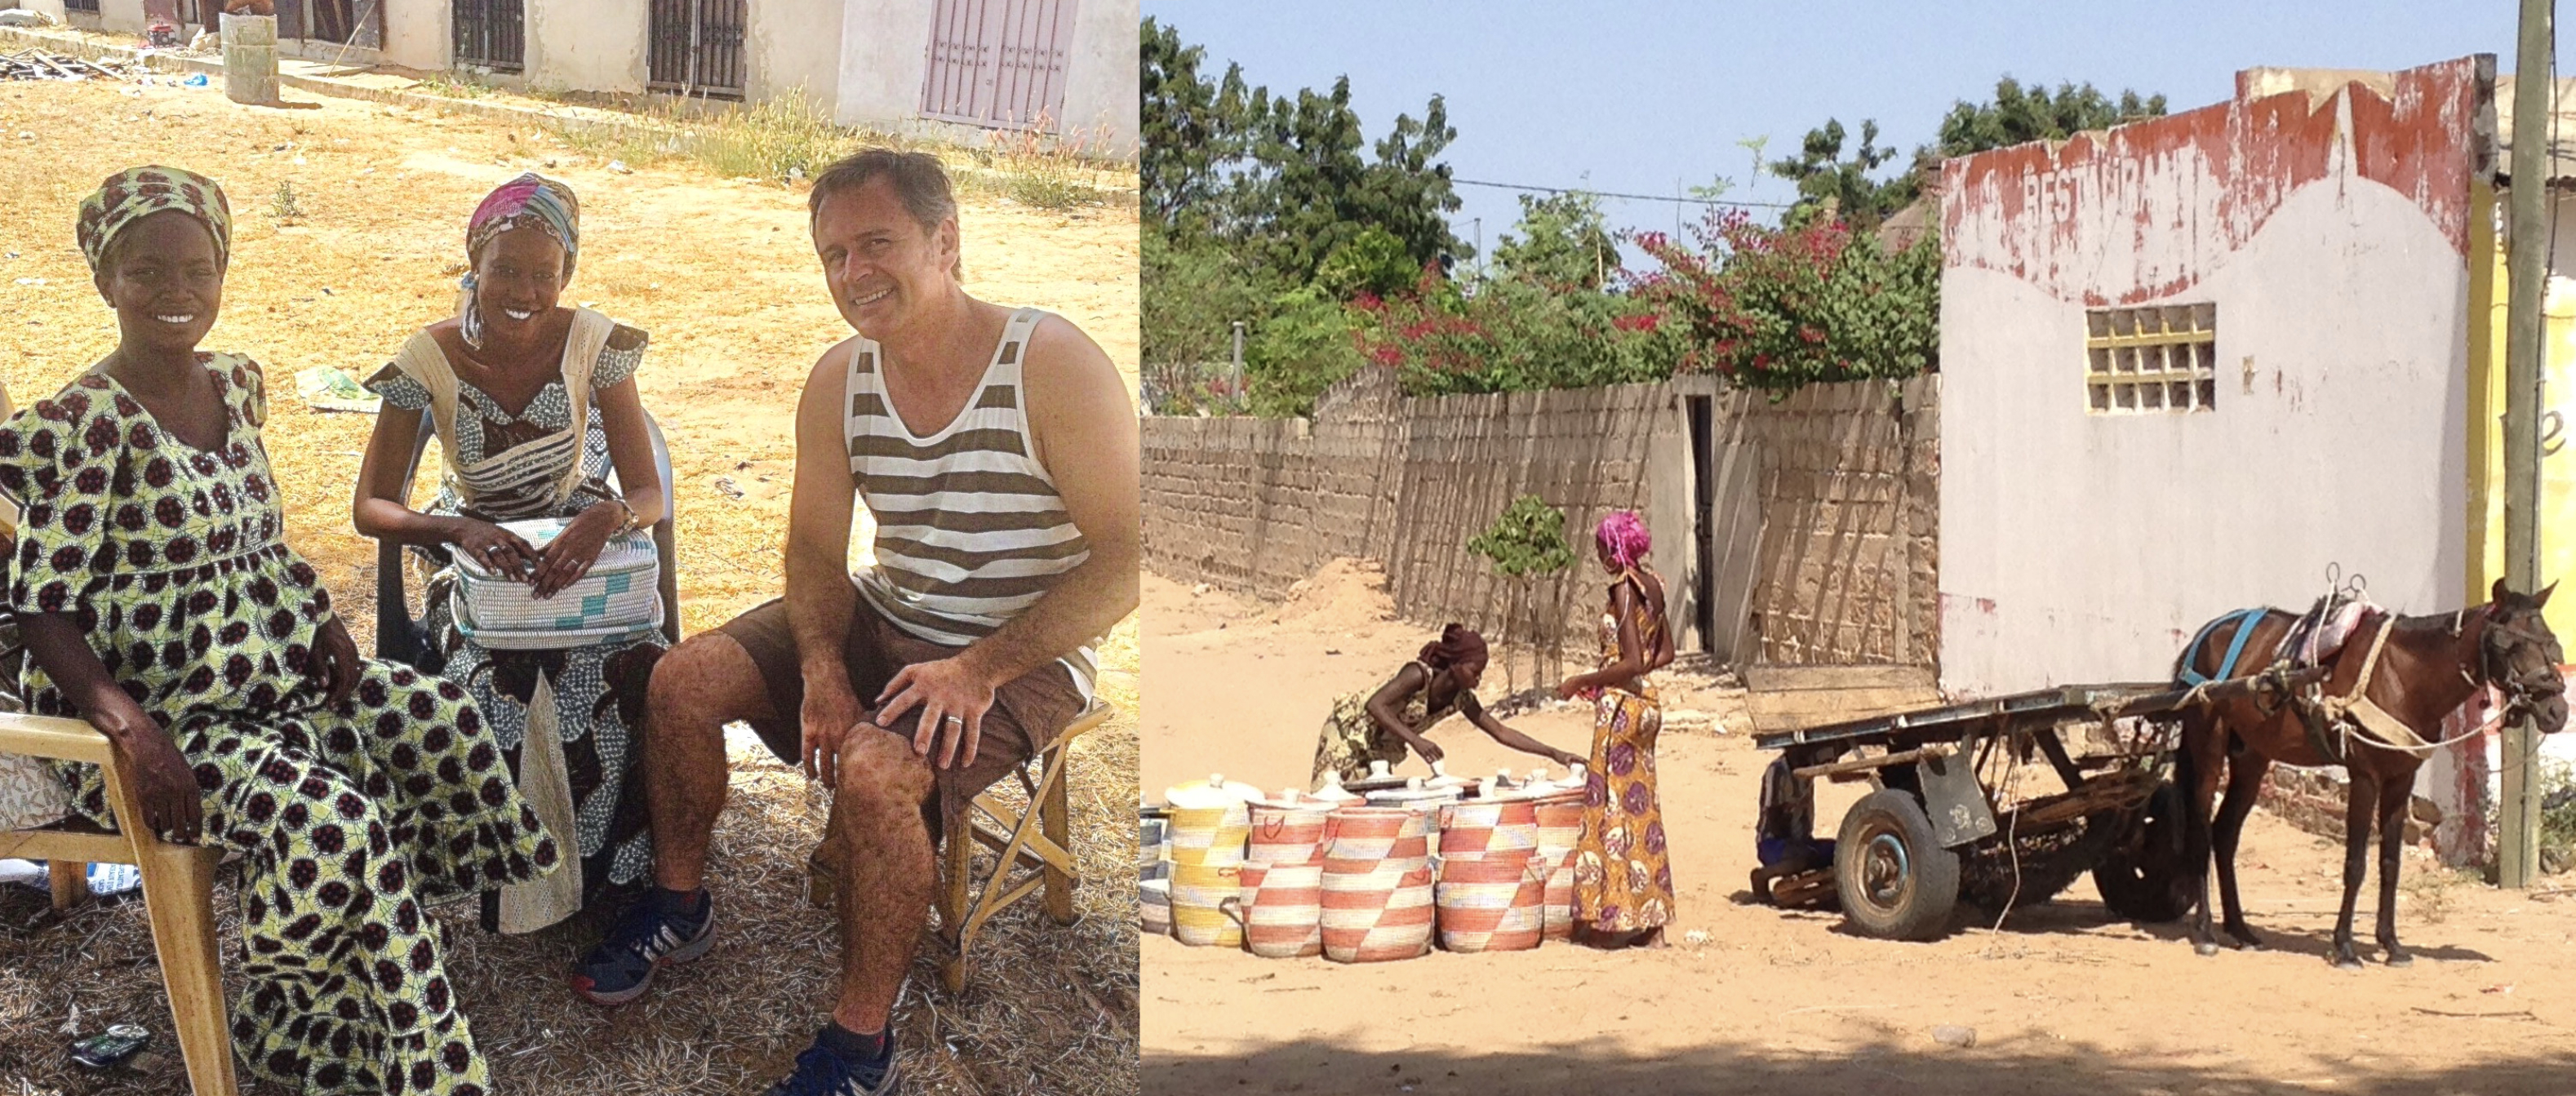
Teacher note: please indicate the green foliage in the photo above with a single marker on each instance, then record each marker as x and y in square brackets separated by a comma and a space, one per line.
[1781, 308]
[1199, 289]
[1299, 351]
[2557, 817]
[1831, 186]
[1562, 241]
[2018, 114]
[1527, 540]
[1515, 335]
[1192, 129]
[1374, 263]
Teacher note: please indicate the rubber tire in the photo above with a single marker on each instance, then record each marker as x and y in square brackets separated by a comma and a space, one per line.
[1929, 892]
[2149, 887]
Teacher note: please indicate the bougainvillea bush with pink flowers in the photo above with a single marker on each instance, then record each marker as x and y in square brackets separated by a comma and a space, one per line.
[1780, 308]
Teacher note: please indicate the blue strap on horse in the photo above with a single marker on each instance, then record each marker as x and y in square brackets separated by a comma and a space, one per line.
[2244, 621]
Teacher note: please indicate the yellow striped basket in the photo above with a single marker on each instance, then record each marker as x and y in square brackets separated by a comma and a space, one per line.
[1209, 836]
[1199, 895]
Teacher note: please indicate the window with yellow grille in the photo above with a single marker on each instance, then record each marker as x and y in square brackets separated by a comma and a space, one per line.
[2160, 358]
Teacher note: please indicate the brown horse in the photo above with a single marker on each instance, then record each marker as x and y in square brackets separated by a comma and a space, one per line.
[2429, 667]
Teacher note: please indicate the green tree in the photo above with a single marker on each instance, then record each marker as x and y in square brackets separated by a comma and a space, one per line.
[1831, 185]
[2019, 114]
[1526, 544]
[1308, 189]
[1373, 262]
[1193, 131]
[1301, 349]
[1197, 289]
[1561, 241]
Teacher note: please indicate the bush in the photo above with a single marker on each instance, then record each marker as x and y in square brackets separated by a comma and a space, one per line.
[1303, 348]
[1513, 335]
[1778, 309]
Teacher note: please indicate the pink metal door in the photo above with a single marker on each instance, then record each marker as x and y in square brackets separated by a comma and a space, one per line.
[998, 63]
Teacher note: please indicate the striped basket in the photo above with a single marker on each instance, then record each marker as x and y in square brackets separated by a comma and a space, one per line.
[1288, 835]
[1154, 907]
[1153, 848]
[1470, 830]
[1375, 833]
[620, 595]
[1560, 824]
[1281, 909]
[1377, 916]
[1491, 903]
[1199, 895]
[1557, 907]
[1209, 836]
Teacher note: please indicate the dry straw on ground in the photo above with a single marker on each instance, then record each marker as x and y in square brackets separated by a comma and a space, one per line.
[719, 271]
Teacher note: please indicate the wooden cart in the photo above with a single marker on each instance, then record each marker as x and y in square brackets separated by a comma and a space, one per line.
[1958, 809]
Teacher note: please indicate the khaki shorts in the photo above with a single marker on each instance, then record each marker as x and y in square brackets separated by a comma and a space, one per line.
[1028, 711]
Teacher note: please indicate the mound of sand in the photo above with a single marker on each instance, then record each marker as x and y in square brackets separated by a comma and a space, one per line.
[1345, 593]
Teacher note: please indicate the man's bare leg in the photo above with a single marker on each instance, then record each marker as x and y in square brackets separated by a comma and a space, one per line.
[698, 687]
[887, 871]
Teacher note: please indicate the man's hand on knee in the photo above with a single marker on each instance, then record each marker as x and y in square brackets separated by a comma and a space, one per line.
[953, 697]
[828, 718]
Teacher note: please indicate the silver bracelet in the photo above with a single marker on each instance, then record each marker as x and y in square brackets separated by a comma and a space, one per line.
[630, 523]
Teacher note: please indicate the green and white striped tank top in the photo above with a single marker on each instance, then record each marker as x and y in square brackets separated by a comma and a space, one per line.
[970, 529]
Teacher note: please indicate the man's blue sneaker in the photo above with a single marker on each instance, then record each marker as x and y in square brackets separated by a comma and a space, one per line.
[654, 933]
[824, 1070]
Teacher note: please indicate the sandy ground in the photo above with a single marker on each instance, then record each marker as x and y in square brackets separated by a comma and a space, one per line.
[722, 274]
[1751, 999]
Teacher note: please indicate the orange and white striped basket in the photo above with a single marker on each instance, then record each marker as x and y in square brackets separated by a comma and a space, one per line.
[1490, 903]
[1378, 916]
[1287, 835]
[1560, 824]
[1470, 830]
[1557, 906]
[1281, 909]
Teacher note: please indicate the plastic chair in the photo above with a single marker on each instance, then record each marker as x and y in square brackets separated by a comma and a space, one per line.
[398, 633]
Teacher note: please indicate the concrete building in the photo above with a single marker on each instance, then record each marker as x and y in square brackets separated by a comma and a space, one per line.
[1064, 67]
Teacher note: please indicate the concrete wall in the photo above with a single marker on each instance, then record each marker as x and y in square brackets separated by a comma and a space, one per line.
[419, 34]
[1838, 552]
[885, 46]
[1102, 94]
[117, 15]
[792, 45]
[2331, 234]
[587, 45]
[50, 9]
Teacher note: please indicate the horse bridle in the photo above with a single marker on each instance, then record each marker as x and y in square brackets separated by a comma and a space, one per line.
[2522, 692]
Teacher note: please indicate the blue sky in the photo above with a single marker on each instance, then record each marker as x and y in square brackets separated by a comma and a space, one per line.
[1649, 97]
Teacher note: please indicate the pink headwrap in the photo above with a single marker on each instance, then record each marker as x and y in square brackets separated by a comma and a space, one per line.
[1623, 537]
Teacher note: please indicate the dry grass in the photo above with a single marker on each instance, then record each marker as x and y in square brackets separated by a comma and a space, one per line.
[721, 275]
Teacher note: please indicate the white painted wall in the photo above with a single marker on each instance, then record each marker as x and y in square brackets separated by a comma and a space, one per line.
[884, 55]
[121, 15]
[419, 34]
[50, 9]
[587, 45]
[1102, 92]
[793, 44]
[2079, 547]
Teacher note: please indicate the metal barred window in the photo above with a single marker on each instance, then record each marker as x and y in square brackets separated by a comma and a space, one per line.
[492, 34]
[696, 47]
[89, 6]
[2157, 358]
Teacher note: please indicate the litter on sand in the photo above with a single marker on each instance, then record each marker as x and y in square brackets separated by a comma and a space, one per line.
[327, 388]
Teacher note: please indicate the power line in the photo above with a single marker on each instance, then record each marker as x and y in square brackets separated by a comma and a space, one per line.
[1616, 194]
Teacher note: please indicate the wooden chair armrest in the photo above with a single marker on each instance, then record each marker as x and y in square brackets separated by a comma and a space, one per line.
[52, 737]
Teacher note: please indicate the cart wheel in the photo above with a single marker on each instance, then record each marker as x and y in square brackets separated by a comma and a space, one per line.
[1895, 882]
[2145, 877]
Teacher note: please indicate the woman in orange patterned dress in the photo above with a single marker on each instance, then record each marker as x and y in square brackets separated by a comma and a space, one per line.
[1623, 877]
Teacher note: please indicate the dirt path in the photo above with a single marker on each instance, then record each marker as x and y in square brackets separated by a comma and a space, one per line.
[723, 276]
[1755, 1000]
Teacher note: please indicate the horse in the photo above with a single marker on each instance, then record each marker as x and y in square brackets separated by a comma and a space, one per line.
[2425, 669]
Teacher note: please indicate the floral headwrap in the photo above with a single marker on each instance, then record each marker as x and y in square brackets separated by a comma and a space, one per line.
[135, 193]
[1623, 536]
[529, 200]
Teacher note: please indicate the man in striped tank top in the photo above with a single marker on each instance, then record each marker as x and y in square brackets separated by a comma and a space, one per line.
[998, 451]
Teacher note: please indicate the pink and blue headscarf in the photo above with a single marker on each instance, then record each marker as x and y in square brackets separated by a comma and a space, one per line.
[529, 201]
[1623, 538]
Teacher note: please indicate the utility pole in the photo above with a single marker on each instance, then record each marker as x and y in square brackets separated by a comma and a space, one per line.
[2534, 99]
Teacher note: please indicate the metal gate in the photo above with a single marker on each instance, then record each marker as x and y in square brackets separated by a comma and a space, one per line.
[359, 23]
[697, 47]
[998, 63]
[492, 34]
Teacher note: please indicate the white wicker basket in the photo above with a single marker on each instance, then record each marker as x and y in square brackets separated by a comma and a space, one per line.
[620, 596]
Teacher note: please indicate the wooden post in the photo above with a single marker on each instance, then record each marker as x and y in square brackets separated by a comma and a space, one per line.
[2518, 842]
